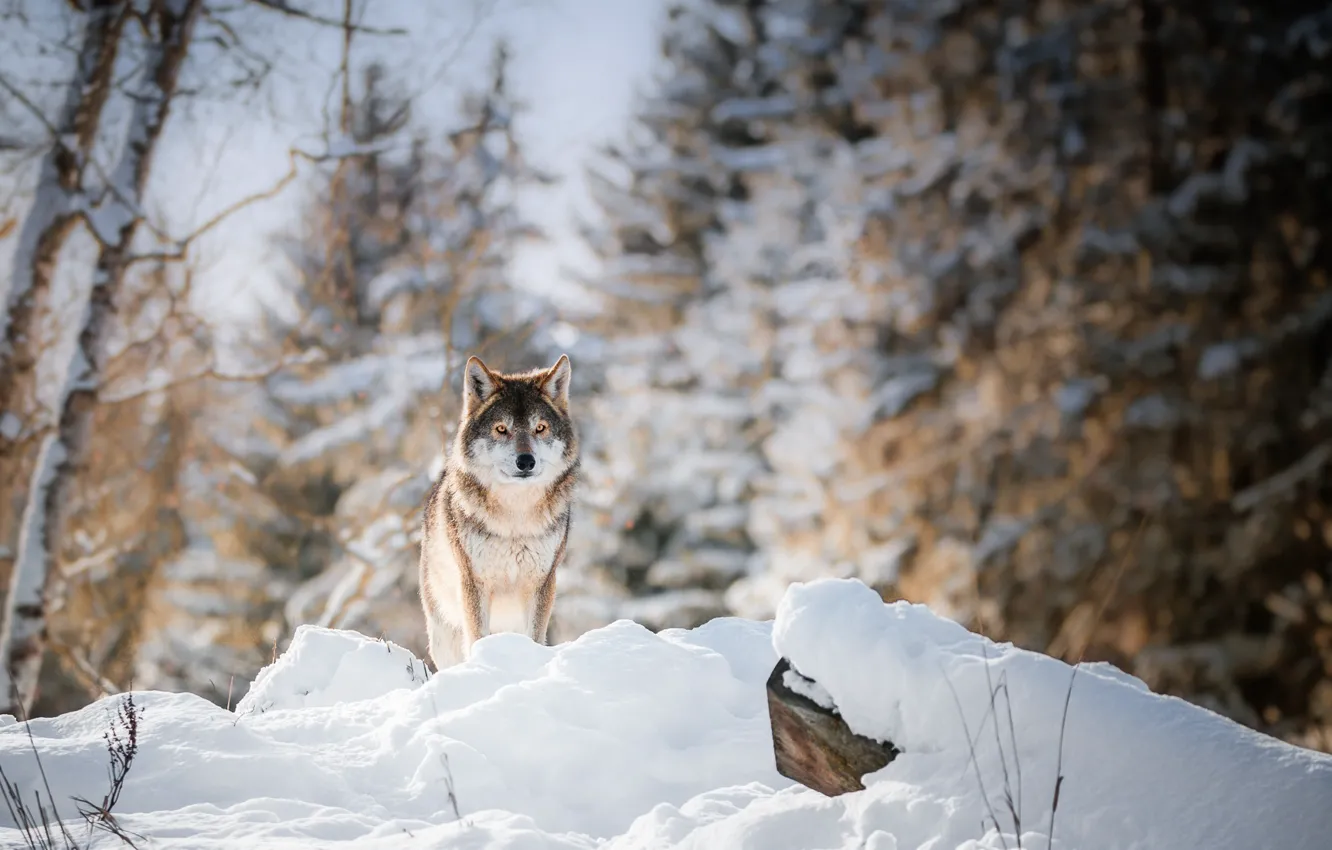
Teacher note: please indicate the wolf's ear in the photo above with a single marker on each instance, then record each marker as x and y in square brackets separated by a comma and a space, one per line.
[479, 384]
[555, 383]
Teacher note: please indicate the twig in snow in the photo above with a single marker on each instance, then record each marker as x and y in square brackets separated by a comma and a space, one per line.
[122, 745]
[1059, 758]
[1014, 805]
[980, 781]
[1014, 808]
[36, 829]
[448, 784]
[1068, 694]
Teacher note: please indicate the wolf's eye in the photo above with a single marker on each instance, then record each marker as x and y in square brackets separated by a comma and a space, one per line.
[540, 428]
[500, 429]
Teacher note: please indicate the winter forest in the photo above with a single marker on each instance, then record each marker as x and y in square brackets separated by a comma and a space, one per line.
[1017, 308]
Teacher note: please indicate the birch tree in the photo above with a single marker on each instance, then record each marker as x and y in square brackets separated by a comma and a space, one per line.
[169, 27]
[55, 211]
[51, 218]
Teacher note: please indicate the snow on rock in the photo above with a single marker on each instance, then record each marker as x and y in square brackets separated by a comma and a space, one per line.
[628, 740]
[1140, 769]
[806, 688]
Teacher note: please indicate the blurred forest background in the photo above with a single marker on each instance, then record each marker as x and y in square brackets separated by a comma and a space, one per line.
[1017, 308]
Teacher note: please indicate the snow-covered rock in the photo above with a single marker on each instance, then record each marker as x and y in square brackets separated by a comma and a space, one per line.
[628, 739]
[1140, 769]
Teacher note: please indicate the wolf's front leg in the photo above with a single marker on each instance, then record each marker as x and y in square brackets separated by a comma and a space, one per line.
[545, 596]
[445, 641]
[476, 611]
[542, 606]
[475, 604]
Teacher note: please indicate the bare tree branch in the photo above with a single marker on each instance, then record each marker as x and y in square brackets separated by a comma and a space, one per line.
[209, 373]
[254, 67]
[287, 9]
[96, 684]
[26, 102]
[483, 9]
[294, 156]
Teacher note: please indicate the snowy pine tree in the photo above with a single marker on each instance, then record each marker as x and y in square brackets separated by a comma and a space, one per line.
[1091, 235]
[751, 395]
[985, 305]
[673, 460]
[399, 275]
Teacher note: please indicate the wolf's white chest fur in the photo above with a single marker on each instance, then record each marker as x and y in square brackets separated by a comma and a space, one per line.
[511, 568]
[510, 562]
[508, 567]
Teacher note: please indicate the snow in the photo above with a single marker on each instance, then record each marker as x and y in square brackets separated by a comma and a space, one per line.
[10, 425]
[751, 108]
[1220, 359]
[896, 393]
[422, 358]
[338, 742]
[807, 688]
[1140, 770]
[325, 667]
[1074, 397]
[353, 428]
[628, 739]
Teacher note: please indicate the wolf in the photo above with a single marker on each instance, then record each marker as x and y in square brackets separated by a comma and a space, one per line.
[497, 520]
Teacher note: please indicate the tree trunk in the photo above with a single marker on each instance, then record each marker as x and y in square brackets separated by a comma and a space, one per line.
[49, 222]
[34, 579]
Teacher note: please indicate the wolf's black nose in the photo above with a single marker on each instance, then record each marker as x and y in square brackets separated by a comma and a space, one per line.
[526, 462]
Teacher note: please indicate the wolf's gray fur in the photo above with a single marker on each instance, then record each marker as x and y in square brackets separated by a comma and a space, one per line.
[497, 521]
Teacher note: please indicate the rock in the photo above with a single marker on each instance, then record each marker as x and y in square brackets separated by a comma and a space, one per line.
[812, 743]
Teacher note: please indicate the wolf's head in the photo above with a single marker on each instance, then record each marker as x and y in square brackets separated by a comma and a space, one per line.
[516, 428]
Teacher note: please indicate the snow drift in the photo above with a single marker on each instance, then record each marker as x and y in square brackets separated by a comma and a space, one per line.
[629, 739]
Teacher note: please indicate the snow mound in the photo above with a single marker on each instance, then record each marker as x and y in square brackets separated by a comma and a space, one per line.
[1140, 769]
[324, 667]
[625, 739]
[544, 746]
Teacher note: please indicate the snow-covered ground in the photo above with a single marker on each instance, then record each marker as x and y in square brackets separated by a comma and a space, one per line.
[628, 739]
